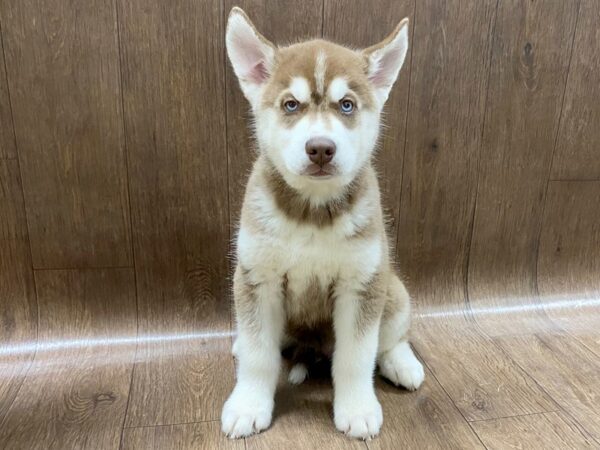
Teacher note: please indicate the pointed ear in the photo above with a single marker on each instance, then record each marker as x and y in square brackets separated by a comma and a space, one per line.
[385, 60]
[251, 55]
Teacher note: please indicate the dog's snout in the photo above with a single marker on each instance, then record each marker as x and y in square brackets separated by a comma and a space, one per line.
[320, 150]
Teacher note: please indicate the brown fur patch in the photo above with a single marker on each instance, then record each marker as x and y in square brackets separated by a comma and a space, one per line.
[372, 301]
[245, 299]
[299, 208]
[310, 322]
[310, 307]
[398, 301]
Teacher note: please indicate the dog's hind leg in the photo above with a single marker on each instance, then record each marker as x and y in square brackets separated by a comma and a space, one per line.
[298, 373]
[395, 357]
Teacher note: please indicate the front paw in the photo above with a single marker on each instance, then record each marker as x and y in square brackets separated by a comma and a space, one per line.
[359, 418]
[246, 413]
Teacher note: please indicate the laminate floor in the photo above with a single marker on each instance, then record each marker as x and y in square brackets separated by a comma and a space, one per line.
[94, 380]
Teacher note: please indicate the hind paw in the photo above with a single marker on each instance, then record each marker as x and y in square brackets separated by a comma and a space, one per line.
[298, 374]
[401, 367]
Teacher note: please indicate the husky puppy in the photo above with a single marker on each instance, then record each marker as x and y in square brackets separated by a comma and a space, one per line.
[312, 252]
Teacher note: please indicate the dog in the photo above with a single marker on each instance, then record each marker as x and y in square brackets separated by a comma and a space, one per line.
[313, 261]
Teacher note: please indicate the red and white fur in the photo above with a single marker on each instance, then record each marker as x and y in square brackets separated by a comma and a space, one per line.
[312, 249]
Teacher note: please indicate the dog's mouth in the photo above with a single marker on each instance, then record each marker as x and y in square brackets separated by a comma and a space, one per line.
[317, 171]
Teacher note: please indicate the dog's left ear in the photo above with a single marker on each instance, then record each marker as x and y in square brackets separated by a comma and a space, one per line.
[385, 60]
[251, 55]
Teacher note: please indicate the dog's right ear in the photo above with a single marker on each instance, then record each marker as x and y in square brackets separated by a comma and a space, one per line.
[251, 55]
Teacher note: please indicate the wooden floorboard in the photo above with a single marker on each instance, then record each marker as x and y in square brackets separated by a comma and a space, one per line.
[185, 380]
[548, 430]
[565, 369]
[303, 418]
[75, 393]
[426, 418]
[193, 436]
[481, 379]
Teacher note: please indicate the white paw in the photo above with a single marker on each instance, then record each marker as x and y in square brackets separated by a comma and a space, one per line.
[245, 414]
[401, 367]
[359, 418]
[235, 351]
[298, 374]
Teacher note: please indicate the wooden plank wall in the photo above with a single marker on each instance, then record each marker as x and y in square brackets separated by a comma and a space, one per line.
[124, 150]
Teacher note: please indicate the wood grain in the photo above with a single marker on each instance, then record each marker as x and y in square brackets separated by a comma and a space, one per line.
[565, 369]
[569, 259]
[75, 393]
[482, 380]
[445, 117]
[7, 136]
[549, 430]
[63, 73]
[298, 408]
[173, 57]
[422, 419]
[18, 308]
[136, 96]
[193, 436]
[283, 22]
[352, 23]
[183, 377]
[578, 142]
[530, 60]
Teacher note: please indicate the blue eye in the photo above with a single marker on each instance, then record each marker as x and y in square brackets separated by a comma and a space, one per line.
[291, 106]
[346, 106]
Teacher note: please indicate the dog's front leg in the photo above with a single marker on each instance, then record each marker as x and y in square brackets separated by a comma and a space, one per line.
[357, 411]
[260, 321]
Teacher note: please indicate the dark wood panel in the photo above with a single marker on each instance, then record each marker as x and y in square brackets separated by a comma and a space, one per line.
[283, 22]
[569, 259]
[360, 24]
[63, 73]
[193, 436]
[7, 136]
[75, 393]
[445, 117]
[530, 59]
[18, 309]
[549, 430]
[174, 95]
[565, 369]
[578, 142]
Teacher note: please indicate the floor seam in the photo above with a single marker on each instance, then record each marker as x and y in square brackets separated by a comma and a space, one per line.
[516, 415]
[171, 424]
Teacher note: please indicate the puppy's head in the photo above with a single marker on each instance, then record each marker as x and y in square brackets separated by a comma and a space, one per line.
[316, 104]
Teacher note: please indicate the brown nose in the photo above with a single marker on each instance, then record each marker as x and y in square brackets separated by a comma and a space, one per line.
[320, 150]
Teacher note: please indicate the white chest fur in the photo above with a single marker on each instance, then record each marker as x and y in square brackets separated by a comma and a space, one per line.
[306, 252]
